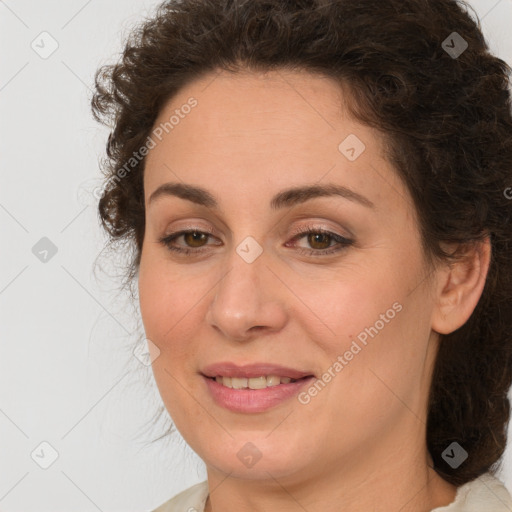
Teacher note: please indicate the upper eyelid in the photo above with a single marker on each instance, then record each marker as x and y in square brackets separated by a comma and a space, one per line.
[297, 233]
[309, 225]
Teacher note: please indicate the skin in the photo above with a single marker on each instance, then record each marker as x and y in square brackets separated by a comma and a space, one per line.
[361, 441]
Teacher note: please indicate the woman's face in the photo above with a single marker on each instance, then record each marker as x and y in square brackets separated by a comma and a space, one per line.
[277, 156]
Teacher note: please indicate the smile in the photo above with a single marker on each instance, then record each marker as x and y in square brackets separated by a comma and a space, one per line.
[253, 395]
[253, 382]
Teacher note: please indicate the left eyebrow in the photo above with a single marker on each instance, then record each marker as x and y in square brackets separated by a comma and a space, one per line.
[297, 195]
[285, 198]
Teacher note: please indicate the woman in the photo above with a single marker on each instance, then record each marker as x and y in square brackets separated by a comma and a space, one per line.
[316, 192]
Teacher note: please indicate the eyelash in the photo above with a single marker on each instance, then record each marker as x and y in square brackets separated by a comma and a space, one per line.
[342, 242]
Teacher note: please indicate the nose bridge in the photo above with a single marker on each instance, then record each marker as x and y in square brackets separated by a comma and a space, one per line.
[245, 297]
[241, 276]
[239, 291]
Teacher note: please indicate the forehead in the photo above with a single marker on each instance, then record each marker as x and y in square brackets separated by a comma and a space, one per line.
[282, 103]
[259, 132]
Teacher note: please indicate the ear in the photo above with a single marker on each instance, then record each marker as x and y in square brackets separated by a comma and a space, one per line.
[459, 287]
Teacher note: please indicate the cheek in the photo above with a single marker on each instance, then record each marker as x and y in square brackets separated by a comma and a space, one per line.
[164, 299]
[168, 304]
[173, 307]
[375, 318]
[353, 300]
[379, 351]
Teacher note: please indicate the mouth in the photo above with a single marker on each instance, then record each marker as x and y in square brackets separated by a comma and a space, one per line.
[270, 371]
[254, 387]
[261, 382]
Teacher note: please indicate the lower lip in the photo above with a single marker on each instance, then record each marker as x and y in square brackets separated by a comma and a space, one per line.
[253, 400]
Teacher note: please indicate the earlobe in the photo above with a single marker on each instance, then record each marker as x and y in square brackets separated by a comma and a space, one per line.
[460, 286]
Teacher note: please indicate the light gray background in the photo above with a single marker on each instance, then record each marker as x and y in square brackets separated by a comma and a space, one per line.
[67, 373]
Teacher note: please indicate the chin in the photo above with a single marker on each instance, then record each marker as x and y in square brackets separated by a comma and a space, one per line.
[258, 460]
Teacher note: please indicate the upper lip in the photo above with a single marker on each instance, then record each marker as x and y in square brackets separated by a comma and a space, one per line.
[228, 369]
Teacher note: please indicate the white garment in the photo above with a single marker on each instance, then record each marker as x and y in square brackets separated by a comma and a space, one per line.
[484, 494]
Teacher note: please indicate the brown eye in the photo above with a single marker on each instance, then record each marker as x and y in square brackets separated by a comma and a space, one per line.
[195, 238]
[188, 242]
[319, 240]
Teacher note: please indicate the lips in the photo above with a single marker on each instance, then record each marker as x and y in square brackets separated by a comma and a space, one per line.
[229, 392]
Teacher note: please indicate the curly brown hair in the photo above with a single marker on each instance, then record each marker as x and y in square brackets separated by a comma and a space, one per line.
[448, 122]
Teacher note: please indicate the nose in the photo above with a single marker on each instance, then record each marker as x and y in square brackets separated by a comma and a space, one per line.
[248, 300]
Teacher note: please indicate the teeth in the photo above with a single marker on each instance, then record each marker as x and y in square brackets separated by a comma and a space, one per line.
[257, 382]
[273, 380]
[238, 383]
[252, 383]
